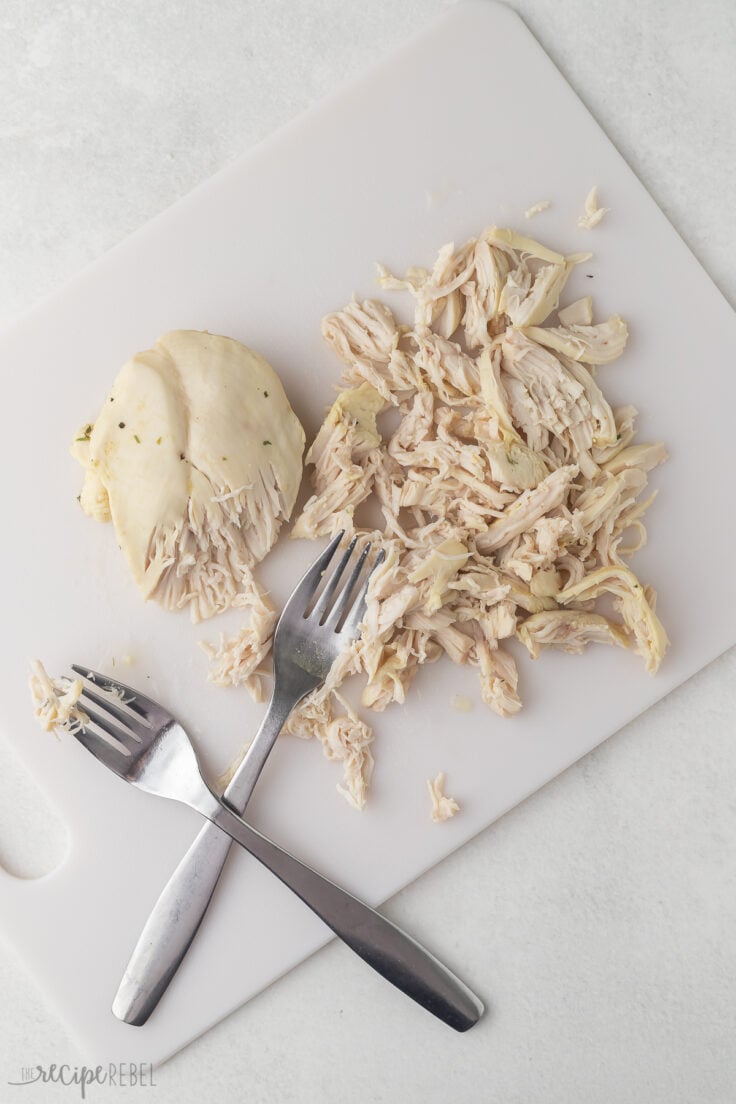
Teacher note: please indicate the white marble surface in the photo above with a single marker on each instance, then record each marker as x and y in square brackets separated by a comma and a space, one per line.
[599, 917]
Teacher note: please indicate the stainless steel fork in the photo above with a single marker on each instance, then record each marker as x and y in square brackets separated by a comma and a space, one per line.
[309, 636]
[144, 744]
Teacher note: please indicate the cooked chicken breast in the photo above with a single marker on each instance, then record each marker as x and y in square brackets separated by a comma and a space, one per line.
[196, 458]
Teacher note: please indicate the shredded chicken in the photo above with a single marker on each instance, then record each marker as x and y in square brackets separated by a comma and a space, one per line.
[593, 212]
[511, 491]
[55, 701]
[240, 660]
[443, 807]
[570, 630]
[343, 735]
[591, 344]
[634, 602]
[347, 738]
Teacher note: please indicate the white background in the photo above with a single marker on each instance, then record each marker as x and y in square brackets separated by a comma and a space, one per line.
[602, 912]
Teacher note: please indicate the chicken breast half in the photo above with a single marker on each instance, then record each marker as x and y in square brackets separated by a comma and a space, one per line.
[196, 458]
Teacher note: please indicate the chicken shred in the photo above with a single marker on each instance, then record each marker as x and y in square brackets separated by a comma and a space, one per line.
[240, 660]
[570, 630]
[593, 212]
[511, 491]
[55, 701]
[443, 807]
[537, 208]
[343, 735]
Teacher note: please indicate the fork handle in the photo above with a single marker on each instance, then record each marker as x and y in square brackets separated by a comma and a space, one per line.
[383, 945]
[177, 914]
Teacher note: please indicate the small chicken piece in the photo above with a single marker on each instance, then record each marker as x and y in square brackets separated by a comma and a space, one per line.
[435, 291]
[545, 397]
[452, 314]
[494, 392]
[593, 212]
[631, 601]
[439, 568]
[537, 208]
[366, 337]
[328, 717]
[382, 616]
[579, 313]
[452, 268]
[517, 287]
[570, 630]
[482, 295]
[624, 418]
[553, 533]
[391, 667]
[344, 455]
[512, 242]
[362, 331]
[415, 430]
[55, 701]
[545, 583]
[443, 807]
[498, 622]
[604, 428]
[310, 717]
[529, 507]
[439, 628]
[530, 305]
[515, 467]
[358, 409]
[450, 372]
[413, 279]
[238, 660]
[600, 504]
[347, 739]
[499, 679]
[592, 344]
[641, 457]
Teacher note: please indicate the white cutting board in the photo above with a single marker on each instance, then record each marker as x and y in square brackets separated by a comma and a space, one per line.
[468, 125]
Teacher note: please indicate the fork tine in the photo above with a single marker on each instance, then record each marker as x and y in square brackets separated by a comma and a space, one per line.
[109, 756]
[344, 602]
[325, 599]
[139, 703]
[123, 737]
[137, 727]
[357, 612]
[305, 589]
